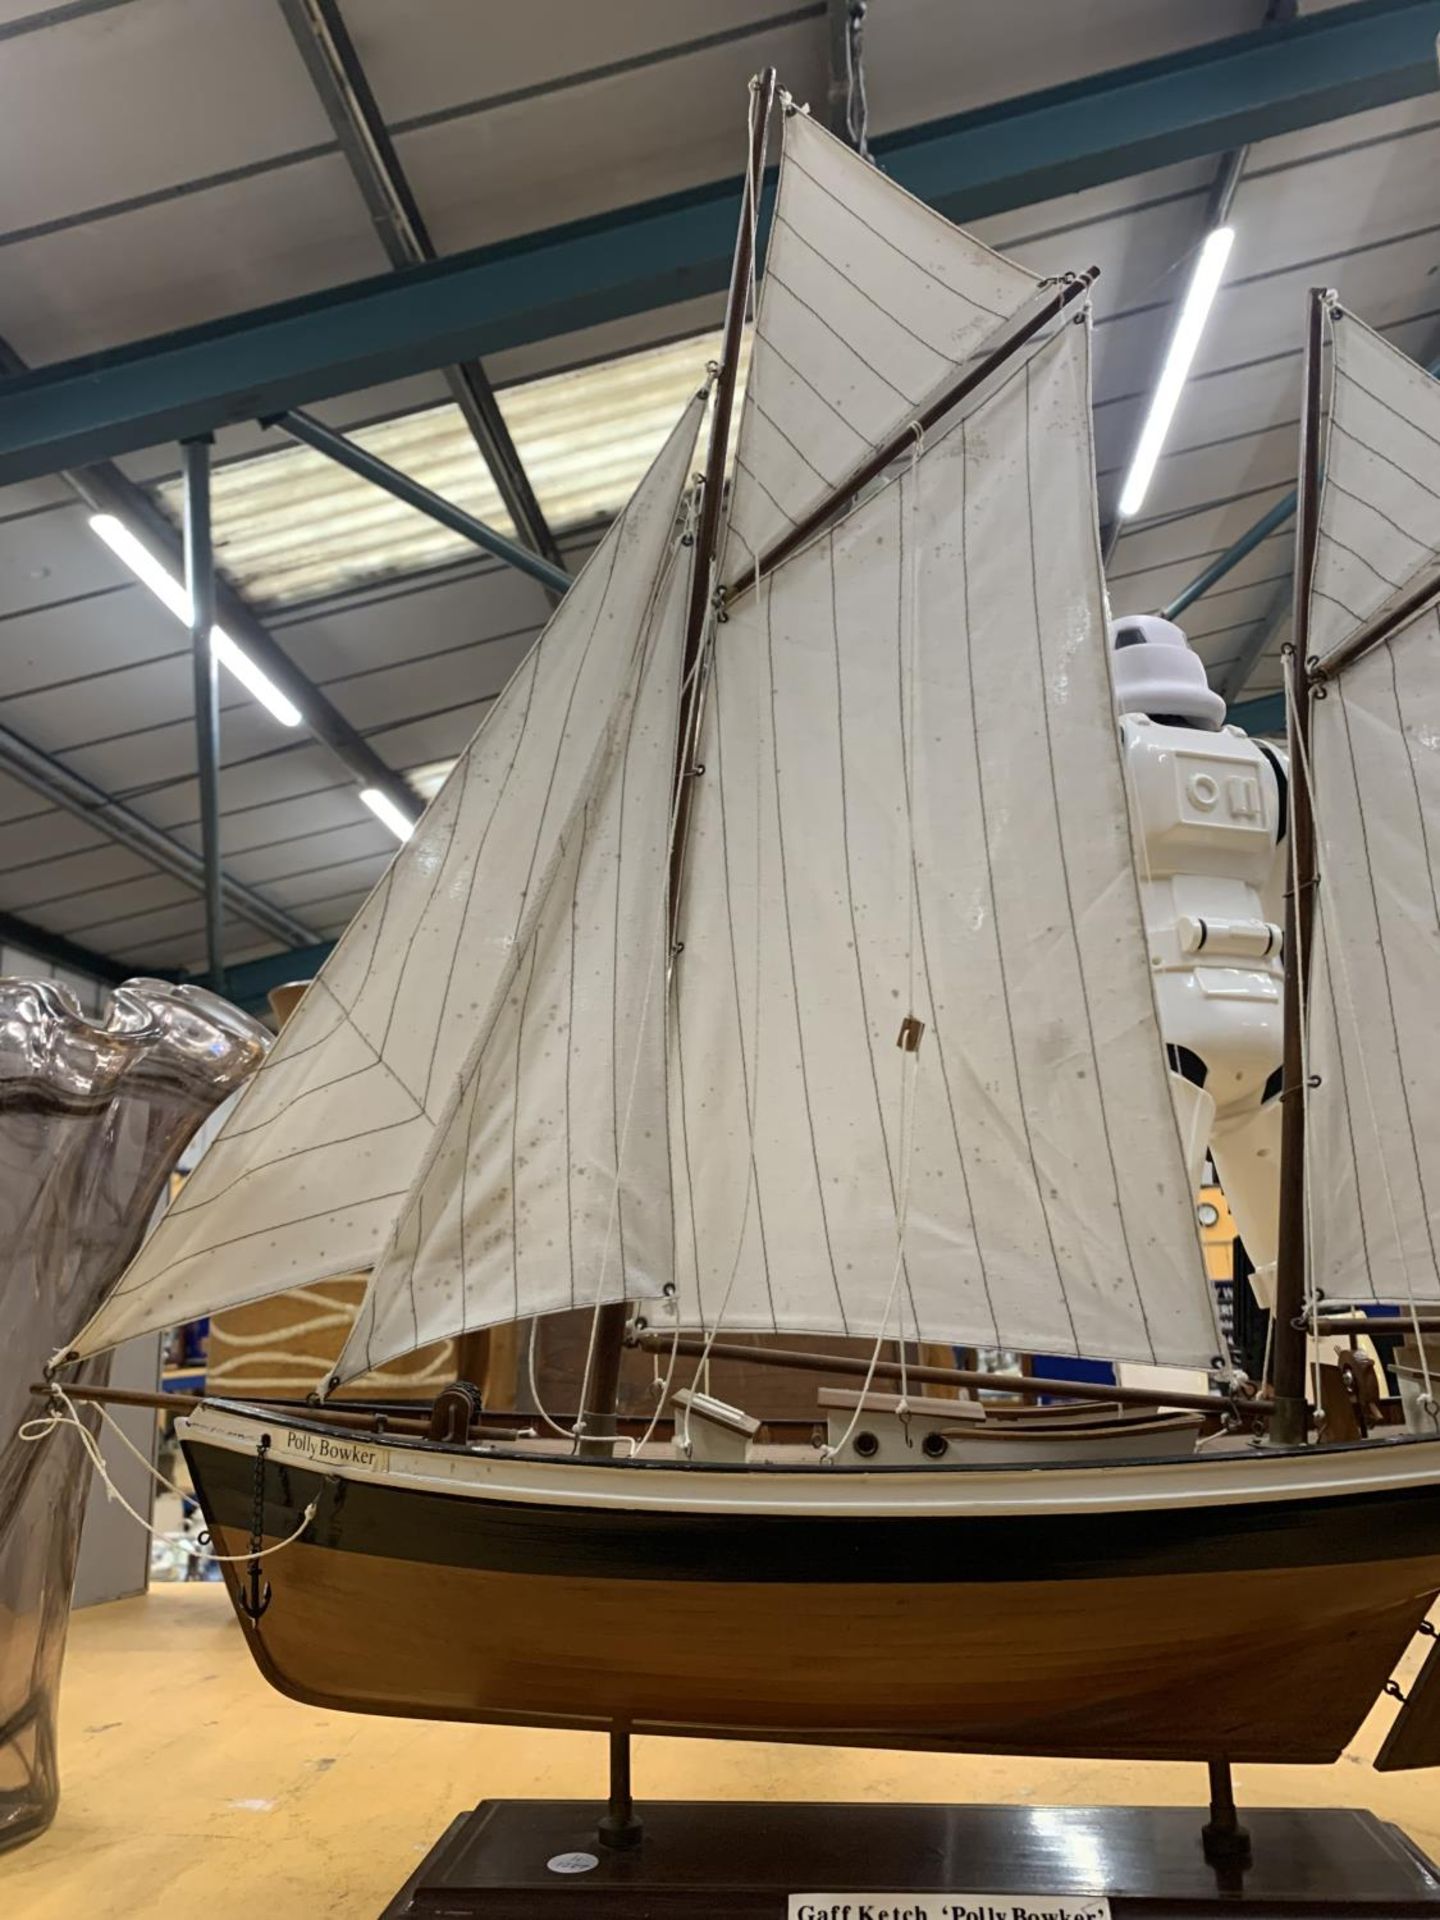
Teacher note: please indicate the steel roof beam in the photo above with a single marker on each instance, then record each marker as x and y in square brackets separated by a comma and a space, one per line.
[1263, 715]
[59, 951]
[105, 489]
[1269, 522]
[1231, 682]
[339, 78]
[62, 787]
[1205, 100]
[249, 983]
[359, 460]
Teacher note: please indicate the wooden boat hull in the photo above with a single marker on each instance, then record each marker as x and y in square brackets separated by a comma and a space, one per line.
[1259, 1630]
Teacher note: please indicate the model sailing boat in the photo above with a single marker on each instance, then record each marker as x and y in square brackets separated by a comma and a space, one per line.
[773, 961]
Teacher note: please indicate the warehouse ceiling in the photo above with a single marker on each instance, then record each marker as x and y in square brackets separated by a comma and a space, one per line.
[172, 162]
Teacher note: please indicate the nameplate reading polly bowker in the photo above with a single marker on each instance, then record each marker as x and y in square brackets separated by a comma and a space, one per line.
[948, 1906]
[326, 1452]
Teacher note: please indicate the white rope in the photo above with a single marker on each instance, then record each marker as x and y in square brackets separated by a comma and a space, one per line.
[910, 1068]
[622, 1148]
[658, 945]
[565, 1433]
[662, 1394]
[1429, 1403]
[912, 735]
[909, 1057]
[682, 1430]
[1307, 1228]
[32, 1432]
[707, 641]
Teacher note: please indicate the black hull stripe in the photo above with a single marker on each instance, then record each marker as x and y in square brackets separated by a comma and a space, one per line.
[496, 1536]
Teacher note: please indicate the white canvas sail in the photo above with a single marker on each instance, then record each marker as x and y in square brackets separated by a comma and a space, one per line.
[547, 1184]
[1049, 1205]
[313, 1167]
[1380, 497]
[1373, 1120]
[869, 301]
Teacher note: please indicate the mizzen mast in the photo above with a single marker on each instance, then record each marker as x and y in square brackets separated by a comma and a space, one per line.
[1290, 1421]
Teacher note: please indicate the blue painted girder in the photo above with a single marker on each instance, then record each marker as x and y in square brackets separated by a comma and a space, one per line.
[1043, 145]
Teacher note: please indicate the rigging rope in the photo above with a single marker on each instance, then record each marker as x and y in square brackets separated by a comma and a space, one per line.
[62, 1413]
[857, 105]
[658, 944]
[909, 1054]
[1307, 1228]
[686, 538]
[706, 655]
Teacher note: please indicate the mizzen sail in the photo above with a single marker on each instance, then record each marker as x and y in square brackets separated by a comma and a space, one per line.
[1373, 1102]
[913, 803]
[870, 301]
[316, 1163]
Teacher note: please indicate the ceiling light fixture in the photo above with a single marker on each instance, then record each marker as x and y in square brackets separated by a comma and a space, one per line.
[386, 811]
[172, 595]
[1199, 298]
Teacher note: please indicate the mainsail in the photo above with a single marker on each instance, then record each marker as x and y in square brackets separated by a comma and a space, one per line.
[913, 804]
[869, 302]
[1373, 1102]
[314, 1166]
[508, 1093]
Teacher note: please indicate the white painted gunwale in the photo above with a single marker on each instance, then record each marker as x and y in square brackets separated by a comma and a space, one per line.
[1403, 1464]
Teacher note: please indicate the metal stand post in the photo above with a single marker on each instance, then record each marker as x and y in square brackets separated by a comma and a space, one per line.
[620, 1827]
[1226, 1842]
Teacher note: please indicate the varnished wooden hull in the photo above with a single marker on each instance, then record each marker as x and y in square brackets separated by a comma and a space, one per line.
[1262, 1631]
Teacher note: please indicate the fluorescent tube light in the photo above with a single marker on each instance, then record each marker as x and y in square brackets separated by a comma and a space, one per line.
[386, 811]
[172, 595]
[1200, 296]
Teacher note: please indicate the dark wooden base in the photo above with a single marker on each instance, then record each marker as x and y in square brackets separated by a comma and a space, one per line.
[710, 1860]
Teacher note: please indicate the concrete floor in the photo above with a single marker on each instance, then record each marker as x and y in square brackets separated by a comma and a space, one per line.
[190, 1787]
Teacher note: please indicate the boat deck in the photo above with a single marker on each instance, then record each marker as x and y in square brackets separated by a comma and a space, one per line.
[188, 1785]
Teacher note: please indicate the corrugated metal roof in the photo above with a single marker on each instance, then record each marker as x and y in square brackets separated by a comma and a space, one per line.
[161, 218]
[292, 525]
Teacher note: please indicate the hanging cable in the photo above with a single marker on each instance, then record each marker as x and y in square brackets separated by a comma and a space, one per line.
[857, 105]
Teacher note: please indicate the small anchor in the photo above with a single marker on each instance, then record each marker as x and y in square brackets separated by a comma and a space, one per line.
[256, 1598]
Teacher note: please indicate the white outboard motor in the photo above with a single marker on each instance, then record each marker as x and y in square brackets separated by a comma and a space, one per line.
[1208, 815]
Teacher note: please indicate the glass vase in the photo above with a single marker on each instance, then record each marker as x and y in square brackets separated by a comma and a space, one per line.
[92, 1119]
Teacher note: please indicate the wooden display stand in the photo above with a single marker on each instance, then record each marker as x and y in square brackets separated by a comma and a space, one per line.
[711, 1860]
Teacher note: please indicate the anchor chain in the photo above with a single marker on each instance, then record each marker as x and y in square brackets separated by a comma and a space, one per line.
[255, 1599]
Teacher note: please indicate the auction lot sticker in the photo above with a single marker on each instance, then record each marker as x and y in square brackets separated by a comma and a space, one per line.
[948, 1906]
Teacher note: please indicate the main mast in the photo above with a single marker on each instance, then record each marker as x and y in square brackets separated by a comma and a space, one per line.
[601, 1386]
[1290, 1421]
